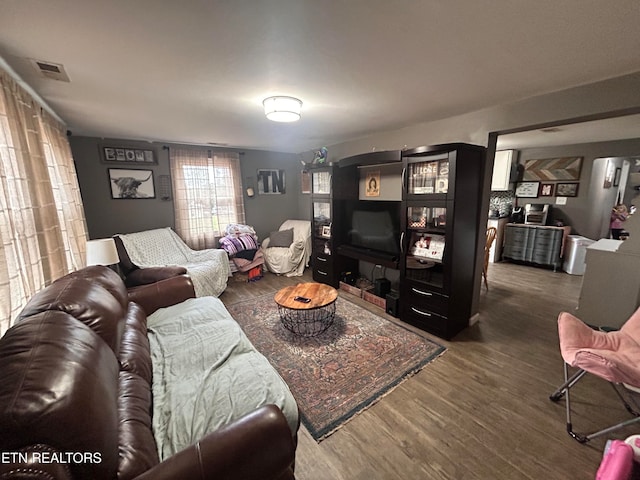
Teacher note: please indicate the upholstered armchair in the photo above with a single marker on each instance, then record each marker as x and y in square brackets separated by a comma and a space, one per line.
[287, 251]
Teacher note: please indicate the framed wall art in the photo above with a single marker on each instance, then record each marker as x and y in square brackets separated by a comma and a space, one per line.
[546, 189]
[271, 182]
[372, 184]
[553, 169]
[527, 189]
[131, 184]
[113, 154]
[567, 189]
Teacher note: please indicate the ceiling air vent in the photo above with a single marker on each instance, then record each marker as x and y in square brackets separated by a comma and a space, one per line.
[54, 71]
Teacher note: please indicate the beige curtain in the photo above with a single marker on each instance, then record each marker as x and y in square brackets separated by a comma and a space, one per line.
[42, 224]
[207, 194]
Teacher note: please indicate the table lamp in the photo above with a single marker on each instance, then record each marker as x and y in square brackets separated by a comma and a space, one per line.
[102, 251]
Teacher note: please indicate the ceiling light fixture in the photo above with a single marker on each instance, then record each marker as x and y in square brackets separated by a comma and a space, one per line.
[282, 109]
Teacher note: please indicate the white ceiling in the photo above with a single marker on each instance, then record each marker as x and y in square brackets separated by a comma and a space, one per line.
[196, 71]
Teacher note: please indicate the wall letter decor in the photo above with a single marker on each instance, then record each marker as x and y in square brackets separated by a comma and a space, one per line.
[271, 182]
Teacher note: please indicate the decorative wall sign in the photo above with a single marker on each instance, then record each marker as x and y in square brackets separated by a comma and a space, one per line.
[546, 189]
[567, 189]
[131, 184]
[527, 189]
[372, 184]
[128, 155]
[548, 169]
[271, 182]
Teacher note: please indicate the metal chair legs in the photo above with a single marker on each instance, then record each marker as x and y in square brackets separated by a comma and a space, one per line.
[564, 391]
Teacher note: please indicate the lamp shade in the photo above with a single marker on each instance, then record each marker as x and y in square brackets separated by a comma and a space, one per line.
[102, 252]
[282, 109]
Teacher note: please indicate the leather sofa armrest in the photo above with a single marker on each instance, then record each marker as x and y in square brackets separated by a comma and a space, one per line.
[145, 276]
[163, 293]
[258, 446]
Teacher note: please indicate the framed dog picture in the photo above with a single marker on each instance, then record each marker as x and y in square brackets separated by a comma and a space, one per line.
[131, 184]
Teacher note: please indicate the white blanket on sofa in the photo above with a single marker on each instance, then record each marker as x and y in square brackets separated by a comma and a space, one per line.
[208, 269]
[206, 374]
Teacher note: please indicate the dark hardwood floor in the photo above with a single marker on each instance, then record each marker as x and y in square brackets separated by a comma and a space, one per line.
[481, 410]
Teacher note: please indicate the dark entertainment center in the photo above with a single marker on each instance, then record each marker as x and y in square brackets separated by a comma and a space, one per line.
[430, 235]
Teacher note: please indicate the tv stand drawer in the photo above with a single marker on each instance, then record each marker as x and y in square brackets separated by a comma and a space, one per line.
[421, 297]
[323, 272]
[426, 320]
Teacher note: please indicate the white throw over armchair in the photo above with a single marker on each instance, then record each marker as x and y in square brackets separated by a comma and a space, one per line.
[287, 251]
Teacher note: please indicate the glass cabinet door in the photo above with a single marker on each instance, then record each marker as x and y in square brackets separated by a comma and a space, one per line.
[426, 232]
[428, 177]
[321, 182]
[322, 227]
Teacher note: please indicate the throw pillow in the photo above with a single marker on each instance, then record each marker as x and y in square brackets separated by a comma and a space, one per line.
[281, 238]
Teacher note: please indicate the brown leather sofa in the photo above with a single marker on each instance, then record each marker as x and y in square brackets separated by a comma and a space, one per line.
[75, 393]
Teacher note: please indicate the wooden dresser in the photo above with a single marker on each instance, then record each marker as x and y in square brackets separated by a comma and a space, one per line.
[536, 244]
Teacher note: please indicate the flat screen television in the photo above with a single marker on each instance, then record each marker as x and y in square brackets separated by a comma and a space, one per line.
[373, 226]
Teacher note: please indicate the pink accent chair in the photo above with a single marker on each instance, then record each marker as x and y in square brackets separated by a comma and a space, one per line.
[611, 355]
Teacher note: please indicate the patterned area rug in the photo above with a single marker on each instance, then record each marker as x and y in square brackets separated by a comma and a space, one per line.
[342, 371]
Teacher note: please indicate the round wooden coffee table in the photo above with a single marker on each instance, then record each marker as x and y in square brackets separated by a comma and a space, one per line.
[307, 318]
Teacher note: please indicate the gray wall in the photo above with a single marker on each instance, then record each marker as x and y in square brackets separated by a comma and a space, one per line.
[267, 212]
[585, 213]
[106, 216]
[617, 95]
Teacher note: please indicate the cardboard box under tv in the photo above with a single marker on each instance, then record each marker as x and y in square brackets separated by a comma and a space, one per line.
[366, 294]
[370, 297]
[353, 290]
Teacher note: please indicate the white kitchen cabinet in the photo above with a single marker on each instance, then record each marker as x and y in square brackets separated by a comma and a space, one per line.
[501, 170]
